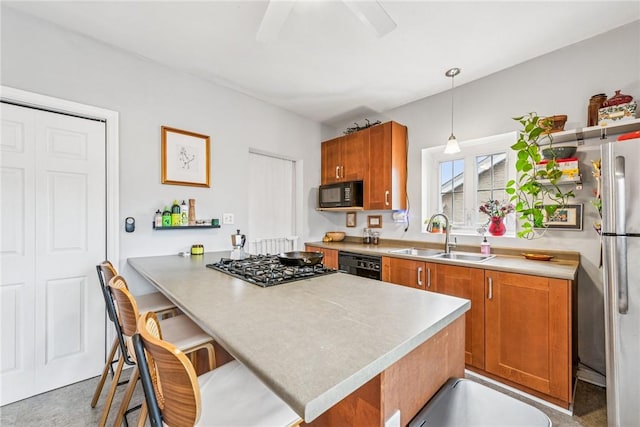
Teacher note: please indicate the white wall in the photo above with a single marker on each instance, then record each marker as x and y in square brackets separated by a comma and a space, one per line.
[557, 83]
[42, 58]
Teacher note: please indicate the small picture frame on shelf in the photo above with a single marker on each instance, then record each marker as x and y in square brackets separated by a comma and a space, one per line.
[351, 219]
[374, 221]
[566, 218]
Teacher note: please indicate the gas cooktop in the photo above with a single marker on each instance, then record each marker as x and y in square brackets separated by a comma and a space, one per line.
[266, 270]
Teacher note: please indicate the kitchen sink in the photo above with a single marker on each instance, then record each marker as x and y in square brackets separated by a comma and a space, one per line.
[459, 256]
[417, 252]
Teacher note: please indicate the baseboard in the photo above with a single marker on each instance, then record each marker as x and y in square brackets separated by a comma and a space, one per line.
[591, 377]
[520, 392]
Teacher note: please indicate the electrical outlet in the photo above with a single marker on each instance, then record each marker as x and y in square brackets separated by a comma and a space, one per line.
[227, 218]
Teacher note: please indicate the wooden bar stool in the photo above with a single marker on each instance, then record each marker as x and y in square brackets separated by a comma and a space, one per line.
[181, 330]
[155, 302]
[230, 395]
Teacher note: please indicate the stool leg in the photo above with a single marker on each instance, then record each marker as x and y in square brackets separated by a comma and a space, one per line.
[143, 414]
[126, 399]
[105, 372]
[112, 392]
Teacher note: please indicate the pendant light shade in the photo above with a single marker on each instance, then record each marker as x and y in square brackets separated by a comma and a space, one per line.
[452, 146]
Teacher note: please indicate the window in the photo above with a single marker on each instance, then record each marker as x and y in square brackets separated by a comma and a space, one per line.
[458, 184]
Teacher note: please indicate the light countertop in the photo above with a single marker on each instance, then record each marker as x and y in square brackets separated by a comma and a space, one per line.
[560, 267]
[313, 341]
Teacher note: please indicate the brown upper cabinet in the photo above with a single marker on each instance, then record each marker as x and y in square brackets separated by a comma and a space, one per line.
[345, 158]
[377, 156]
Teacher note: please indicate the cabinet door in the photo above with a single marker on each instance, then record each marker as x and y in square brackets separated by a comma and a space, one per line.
[387, 174]
[406, 272]
[331, 160]
[465, 282]
[528, 331]
[354, 155]
[330, 259]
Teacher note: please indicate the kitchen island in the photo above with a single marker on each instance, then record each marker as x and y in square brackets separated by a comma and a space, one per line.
[339, 349]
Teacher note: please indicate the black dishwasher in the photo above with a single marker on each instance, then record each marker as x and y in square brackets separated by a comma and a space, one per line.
[360, 265]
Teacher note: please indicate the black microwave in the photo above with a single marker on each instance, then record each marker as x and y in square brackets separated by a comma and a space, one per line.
[341, 195]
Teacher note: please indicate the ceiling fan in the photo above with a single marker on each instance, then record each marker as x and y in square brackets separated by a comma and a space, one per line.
[370, 13]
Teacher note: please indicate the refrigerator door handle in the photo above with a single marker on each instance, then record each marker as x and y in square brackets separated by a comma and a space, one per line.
[621, 241]
[620, 195]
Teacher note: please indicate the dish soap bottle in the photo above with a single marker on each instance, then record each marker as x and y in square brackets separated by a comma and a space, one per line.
[485, 247]
[166, 217]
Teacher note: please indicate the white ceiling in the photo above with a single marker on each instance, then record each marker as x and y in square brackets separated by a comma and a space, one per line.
[327, 65]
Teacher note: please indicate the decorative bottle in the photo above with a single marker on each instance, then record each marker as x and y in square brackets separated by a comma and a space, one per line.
[184, 213]
[176, 218]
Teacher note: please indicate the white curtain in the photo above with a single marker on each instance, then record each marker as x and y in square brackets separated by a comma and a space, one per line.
[272, 190]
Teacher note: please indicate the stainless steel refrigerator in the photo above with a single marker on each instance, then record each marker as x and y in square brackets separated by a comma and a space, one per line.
[621, 262]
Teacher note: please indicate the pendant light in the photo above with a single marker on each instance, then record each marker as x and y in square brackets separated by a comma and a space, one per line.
[452, 146]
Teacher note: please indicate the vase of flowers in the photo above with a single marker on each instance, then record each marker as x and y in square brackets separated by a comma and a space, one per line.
[496, 211]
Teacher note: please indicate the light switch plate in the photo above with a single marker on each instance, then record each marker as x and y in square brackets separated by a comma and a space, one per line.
[227, 218]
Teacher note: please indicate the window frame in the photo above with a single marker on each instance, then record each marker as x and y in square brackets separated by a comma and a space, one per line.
[469, 150]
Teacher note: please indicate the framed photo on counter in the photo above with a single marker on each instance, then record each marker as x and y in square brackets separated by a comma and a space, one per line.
[185, 158]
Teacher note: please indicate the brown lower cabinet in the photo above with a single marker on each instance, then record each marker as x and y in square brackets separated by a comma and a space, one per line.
[330, 259]
[519, 327]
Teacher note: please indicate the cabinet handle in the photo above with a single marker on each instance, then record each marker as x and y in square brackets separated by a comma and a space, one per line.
[428, 278]
[386, 198]
[337, 172]
[342, 171]
[419, 275]
[490, 296]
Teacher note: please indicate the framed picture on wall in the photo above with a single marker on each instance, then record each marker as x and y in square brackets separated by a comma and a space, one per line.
[374, 221]
[351, 219]
[567, 218]
[185, 158]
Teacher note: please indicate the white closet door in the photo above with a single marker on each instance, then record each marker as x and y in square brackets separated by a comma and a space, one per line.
[53, 224]
[272, 197]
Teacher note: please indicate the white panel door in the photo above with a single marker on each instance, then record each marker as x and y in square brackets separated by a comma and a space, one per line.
[53, 177]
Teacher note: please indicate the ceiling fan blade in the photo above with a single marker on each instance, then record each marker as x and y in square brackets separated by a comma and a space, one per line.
[274, 17]
[373, 14]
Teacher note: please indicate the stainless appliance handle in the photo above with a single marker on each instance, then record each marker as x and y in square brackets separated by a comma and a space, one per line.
[620, 245]
[419, 275]
[490, 296]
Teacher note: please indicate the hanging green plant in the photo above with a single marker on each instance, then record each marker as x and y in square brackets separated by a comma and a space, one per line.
[535, 191]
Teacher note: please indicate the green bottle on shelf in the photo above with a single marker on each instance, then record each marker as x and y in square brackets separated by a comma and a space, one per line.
[166, 217]
[176, 217]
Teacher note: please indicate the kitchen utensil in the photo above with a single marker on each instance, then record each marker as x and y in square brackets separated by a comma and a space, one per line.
[299, 258]
[335, 236]
[238, 240]
[537, 257]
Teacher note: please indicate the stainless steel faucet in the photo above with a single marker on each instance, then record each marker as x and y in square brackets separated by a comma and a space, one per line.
[447, 228]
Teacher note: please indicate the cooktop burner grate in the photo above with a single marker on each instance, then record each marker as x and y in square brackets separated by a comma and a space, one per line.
[266, 270]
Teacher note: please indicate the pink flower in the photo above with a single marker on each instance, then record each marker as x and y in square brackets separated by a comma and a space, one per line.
[496, 208]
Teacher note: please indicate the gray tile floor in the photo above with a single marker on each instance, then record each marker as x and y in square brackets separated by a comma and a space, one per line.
[70, 407]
